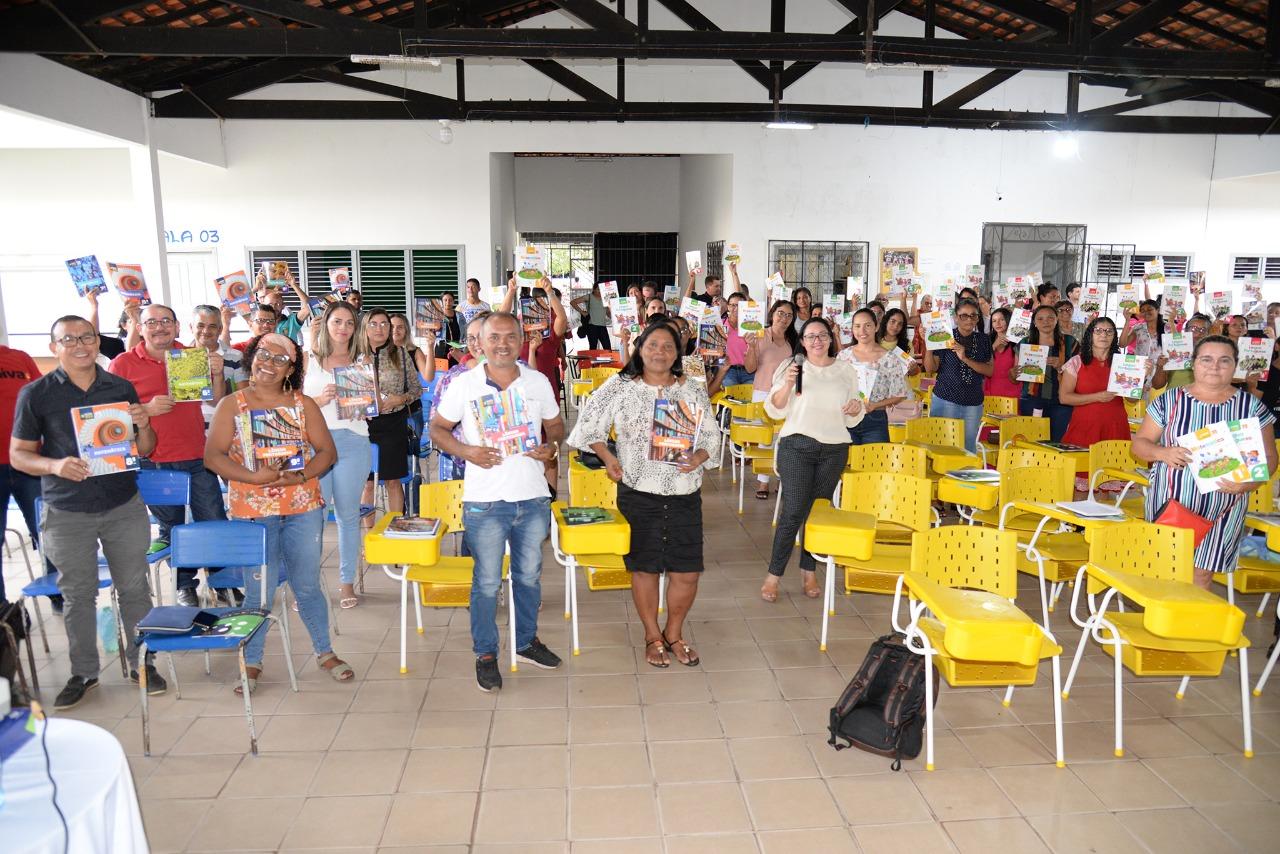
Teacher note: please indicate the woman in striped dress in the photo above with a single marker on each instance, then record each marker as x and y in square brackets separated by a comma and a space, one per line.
[1209, 398]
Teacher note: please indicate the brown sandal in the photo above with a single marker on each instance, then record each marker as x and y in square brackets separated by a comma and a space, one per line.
[769, 592]
[690, 655]
[762, 494]
[812, 590]
[661, 662]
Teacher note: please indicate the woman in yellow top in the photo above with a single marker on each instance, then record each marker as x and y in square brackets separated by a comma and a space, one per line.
[286, 500]
[818, 397]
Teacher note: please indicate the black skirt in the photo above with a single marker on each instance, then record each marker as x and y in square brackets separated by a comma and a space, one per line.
[390, 433]
[666, 531]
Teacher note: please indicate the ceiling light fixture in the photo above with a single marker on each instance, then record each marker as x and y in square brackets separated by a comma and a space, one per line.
[446, 132]
[790, 126]
[395, 59]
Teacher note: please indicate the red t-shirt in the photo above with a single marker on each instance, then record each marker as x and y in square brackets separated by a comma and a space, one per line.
[240, 345]
[548, 359]
[179, 432]
[16, 370]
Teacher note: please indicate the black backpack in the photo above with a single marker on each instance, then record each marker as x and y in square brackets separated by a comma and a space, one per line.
[882, 709]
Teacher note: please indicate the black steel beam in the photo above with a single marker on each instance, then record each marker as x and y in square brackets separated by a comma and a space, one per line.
[699, 22]
[1165, 96]
[1273, 31]
[575, 83]
[981, 86]
[593, 14]
[1247, 95]
[1146, 19]
[412, 96]
[296, 10]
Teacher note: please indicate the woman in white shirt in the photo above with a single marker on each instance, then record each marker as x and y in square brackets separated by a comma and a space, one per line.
[658, 488]
[338, 343]
[818, 396]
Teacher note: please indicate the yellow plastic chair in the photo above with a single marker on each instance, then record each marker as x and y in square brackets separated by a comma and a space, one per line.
[750, 440]
[591, 545]
[961, 586]
[592, 488]
[901, 506]
[1053, 557]
[993, 405]
[830, 534]
[1113, 460]
[1181, 630]
[889, 457]
[1030, 428]
[943, 439]
[739, 392]
[1253, 574]
[1046, 488]
[589, 380]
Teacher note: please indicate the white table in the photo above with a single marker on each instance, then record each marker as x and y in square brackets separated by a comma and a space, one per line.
[95, 792]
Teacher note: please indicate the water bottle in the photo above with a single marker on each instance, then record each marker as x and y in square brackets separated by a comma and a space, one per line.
[107, 630]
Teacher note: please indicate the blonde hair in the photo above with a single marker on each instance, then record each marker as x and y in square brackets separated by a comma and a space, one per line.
[358, 345]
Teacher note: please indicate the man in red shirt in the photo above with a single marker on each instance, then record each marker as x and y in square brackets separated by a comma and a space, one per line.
[179, 428]
[16, 370]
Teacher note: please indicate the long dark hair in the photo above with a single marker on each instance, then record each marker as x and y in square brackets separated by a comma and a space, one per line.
[793, 338]
[882, 332]
[293, 382]
[1033, 337]
[1086, 346]
[833, 347]
[1159, 316]
[635, 365]
[1004, 312]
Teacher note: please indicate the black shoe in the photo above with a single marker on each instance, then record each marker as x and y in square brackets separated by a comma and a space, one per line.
[55, 604]
[77, 687]
[487, 676]
[155, 682]
[187, 597]
[231, 597]
[537, 654]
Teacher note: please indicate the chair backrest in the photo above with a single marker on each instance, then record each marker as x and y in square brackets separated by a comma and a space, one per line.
[1263, 499]
[968, 556]
[162, 487]
[218, 543]
[599, 375]
[591, 488]
[373, 459]
[442, 500]
[899, 498]
[1135, 408]
[1011, 458]
[995, 405]
[889, 457]
[1111, 454]
[1145, 548]
[1031, 483]
[936, 431]
[740, 391]
[1030, 428]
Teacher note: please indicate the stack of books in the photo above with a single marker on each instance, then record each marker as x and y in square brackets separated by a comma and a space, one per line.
[585, 515]
[411, 528]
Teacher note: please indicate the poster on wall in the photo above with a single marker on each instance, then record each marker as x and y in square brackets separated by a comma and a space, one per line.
[896, 256]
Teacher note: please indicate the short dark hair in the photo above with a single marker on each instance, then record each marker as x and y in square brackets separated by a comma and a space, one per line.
[173, 315]
[294, 380]
[267, 307]
[1044, 290]
[477, 281]
[1073, 286]
[67, 318]
[1217, 339]
[711, 279]
[739, 294]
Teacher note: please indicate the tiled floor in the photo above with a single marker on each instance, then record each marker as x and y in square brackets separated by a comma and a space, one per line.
[610, 755]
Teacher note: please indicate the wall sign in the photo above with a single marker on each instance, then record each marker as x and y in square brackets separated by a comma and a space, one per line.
[206, 236]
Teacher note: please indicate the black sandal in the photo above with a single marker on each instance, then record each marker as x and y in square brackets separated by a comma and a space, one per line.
[662, 663]
[690, 655]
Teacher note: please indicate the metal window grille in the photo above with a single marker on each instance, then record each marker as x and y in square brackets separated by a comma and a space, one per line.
[387, 277]
[713, 263]
[822, 266]
[1175, 266]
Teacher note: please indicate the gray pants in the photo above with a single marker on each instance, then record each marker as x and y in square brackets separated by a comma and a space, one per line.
[71, 541]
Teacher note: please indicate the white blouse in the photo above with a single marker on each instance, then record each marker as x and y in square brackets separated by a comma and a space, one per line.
[313, 382]
[626, 406]
[815, 412]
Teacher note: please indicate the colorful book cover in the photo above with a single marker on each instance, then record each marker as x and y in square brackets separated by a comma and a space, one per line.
[867, 374]
[1173, 303]
[504, 422]
[1127, 295]
[1254, 357]
[535, 316]
[354, 393]
[1128, 375]
[237, 624]
[975, 276]
[1000, 294]
[1153, 271]
[750, 319]
[671, 296]
[1251, 303]
[1019, 288]
[1177, 349]
[776, 289]
[190, 379]
[104, 437]
[340, 278]
[1214, 455]
[272, 438]
[624, 315]
[691, 310]
[711, 343]
[276, 273]
[937, 330]
[531, 264]
[1019, 325]
[428, 316]
[234, 291]
[1247, 434]
[832, 307]
[585, 515]
[1219, 304]
[130, 284]
[732, 252]
[1091, 298]
[86, 275]
[412, 528]
[916, 285]
[693, 260]
[695, 368]
[1033, 362]
[608, 293]
[844, 323]
[674, 431]
[1197, 282]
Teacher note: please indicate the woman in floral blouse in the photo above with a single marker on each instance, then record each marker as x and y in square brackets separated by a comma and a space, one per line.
[658, 488]
[273, 493]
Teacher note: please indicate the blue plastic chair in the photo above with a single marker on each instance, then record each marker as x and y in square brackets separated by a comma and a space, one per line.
[162, 488]
[198, 544]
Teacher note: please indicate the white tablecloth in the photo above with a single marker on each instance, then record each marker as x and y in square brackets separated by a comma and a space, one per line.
[95, 792]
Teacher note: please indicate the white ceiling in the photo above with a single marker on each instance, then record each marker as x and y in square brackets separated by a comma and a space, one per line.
[22, 130]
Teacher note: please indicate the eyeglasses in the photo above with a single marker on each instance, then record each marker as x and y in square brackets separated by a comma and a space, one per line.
[377, 324]
[1219, 361]
[967, 315]
[72, 340]
[268, 319]
[158, 322]
[471, 339]
[282, 359]
[815, 339]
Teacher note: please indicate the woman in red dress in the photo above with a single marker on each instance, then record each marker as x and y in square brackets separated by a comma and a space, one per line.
[1099, 414]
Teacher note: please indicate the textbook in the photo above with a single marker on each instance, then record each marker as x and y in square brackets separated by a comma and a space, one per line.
[234, 291]
[1177, 350]
[1033, 362]
[867, 374]
[272, 438]
[531, 264]
[86, 275]
[845, 324]
[1063, 447]
[585, 515]
[624, 315]
[1019, 325]
[1173, 303]
[1254, 358]
[832, 307]
[711, 343]
[1197, 282]
[411, 528]
[535, 316]
[1127, 296]
[974, 475]
[428, 316]
[693, 260]
[691, 311]
[1020, 288]
[1091, 298]
[1216, 455]
[190, 379]
[674, 431]
[340, 278]
[750, 319]
[975, 276]
[854, 288]
[104, 438]
[732, 252]
[129, 283]
[695, 368]
[1153, 271]
[354, 395]
[1128, 375]
[1000, 294]
[671, 296]
[1219, 304]
[937, 330]
[503, 421]
[276, 273]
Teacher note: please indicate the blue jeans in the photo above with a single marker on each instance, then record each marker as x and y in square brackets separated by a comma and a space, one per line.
[342, 486]
[971, 415]
[490, 525]
[738, 375]
[1059, 414]
[874, 427]
[206, 506]
[293, 555]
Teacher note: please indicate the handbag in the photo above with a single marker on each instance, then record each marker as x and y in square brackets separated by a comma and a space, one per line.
[1176, 514]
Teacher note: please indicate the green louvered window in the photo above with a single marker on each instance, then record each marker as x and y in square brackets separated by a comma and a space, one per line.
[290, 257]
[435, 272]
[383, 276]
[319, 262]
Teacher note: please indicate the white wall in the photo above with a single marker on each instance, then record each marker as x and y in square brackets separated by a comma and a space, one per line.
[597, 194]
[706, 202]
[502, 220]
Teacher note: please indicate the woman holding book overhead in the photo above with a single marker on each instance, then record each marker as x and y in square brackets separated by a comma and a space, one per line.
[249, 430]
[882, 378]
[451, 467]
[397, 387]
[1041, 397]
[1179, 473]
[665, 437]
[339, 378]
[763, 357]
[818, 396]
[1098, 413]
[962, 368]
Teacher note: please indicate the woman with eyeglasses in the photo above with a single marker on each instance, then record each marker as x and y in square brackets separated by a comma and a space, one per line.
[287, 502]
[763, 357]
[1041, 398]
[397, 386]
[1209, 399]
[888, 375]
[450, 467]
[817, 395]
[1097, 414]
[961, 370]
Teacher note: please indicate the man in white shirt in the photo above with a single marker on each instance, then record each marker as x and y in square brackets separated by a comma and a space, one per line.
[505, 498]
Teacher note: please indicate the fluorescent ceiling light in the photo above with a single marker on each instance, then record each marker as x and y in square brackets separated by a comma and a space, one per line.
[397, 59]
[789, 126]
